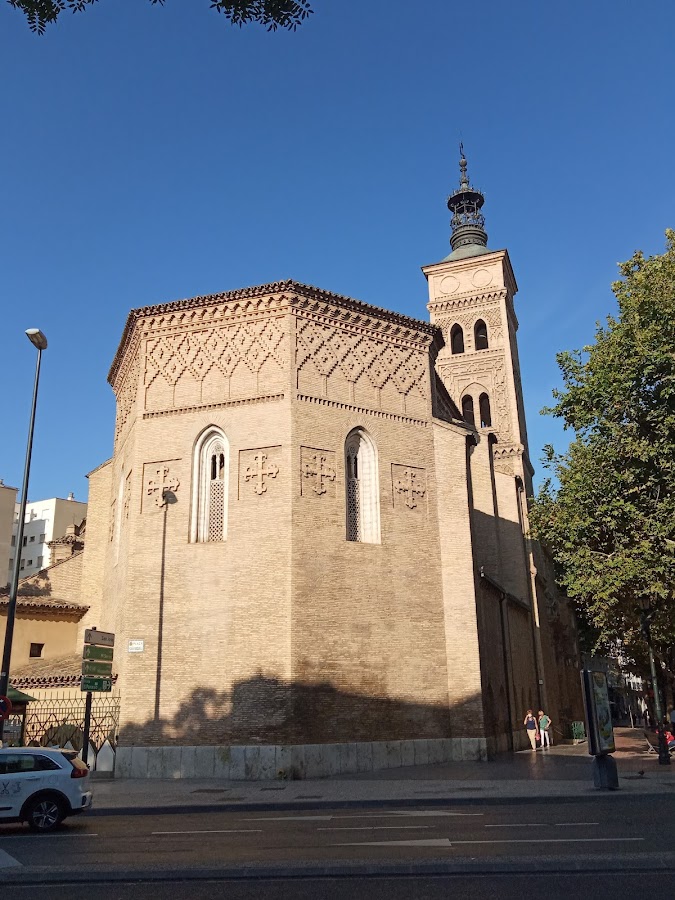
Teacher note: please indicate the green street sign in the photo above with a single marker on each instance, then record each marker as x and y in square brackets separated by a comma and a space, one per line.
[90, 667]
[96, 684]
[102, 653]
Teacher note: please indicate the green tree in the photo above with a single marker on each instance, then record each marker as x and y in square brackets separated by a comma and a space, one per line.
[273, 14]
[607, 513]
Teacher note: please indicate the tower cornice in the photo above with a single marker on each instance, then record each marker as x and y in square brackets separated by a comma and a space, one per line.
[469, 263]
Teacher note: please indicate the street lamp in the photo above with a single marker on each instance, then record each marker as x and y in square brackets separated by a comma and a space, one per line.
[645, 621]
[39, 341]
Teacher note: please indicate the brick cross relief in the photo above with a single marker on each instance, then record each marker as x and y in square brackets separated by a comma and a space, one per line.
[260, 472]
[406, 485]
[162, 481]
[319, 469]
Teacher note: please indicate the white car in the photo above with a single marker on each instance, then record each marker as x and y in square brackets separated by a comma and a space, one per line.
[42, 786]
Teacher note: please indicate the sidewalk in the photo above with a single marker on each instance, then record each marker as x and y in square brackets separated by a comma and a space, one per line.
[562, 771]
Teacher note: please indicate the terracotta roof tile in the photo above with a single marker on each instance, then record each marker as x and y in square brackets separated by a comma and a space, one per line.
[62, 671]
[45, 603]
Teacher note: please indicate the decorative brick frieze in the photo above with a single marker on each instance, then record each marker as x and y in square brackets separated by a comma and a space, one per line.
[225, 404]
[359, 353]
[362, 410]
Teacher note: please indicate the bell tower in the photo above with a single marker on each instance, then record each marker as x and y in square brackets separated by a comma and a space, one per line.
[471, 295]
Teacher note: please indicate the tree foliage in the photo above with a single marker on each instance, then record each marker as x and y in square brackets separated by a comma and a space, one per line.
[608, 512]
[273, 14]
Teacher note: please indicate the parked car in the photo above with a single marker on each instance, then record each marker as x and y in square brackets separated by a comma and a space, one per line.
[42, 786]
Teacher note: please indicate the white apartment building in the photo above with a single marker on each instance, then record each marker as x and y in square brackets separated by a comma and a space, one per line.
[46, 520]
[7, 515]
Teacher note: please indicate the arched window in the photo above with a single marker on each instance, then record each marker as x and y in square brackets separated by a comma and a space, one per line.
[467, 410]
[457, 339]
[484, 409]
[480, 335]
[363, 488]
[210, 468]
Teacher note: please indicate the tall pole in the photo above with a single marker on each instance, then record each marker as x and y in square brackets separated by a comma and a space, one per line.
[87, 727]
[664, 755]
[39, 341]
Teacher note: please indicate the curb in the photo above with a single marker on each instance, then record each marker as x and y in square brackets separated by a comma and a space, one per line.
[408, 802]
[544, 866]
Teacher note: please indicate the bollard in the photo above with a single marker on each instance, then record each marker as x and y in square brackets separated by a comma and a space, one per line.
[605, 774]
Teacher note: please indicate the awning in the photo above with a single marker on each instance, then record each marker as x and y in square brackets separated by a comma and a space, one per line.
[18, 696]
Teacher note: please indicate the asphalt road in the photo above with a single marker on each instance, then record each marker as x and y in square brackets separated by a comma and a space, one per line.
[572, 831]
[552, 886]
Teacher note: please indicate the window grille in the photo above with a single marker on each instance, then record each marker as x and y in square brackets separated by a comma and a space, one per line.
[362, 489]
[209, 488]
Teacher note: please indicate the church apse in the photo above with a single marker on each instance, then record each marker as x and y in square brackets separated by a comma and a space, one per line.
[295, 531]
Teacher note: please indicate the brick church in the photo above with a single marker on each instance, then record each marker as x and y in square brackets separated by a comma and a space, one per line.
[311, 538]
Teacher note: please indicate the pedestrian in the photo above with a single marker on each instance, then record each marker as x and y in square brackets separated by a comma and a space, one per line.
[530, 724]
[544, 723]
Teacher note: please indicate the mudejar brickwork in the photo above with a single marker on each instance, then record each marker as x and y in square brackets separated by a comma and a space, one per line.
[315, 520]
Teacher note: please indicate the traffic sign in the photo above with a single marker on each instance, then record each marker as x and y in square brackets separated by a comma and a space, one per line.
[91, 652]
[102, 638]
[91, 667]
[96, 684]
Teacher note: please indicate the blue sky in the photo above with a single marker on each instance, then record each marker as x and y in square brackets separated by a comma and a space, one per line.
[153, 153]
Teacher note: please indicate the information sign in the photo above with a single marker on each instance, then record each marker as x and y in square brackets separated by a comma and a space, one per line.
[96, 684]
[89, 651]
[102, 638]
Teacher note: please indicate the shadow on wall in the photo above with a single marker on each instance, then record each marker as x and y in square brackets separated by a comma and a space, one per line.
[510, 665]
[263, 710]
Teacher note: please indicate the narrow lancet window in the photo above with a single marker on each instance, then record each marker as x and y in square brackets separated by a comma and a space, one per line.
[467, 410]
[480, 335]
[457, 339]
[362, 488]
[209, 487]
[484, 408]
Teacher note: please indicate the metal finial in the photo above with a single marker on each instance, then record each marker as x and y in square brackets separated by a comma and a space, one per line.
[468, 223]
[464, 178]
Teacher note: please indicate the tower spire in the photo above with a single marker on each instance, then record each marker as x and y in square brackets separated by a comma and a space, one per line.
[468, 222]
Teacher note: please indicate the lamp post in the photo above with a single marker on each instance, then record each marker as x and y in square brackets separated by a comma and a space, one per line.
[645, 622]
[39, 341]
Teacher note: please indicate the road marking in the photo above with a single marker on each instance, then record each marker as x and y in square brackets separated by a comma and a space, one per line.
[417, 813]
[553, 840]
[447, 842]
[8, 862]
[540, 824]
[289, 819]
[431, 842]
[43, 837]
[388, 815]
[376, 828]
[214, 831]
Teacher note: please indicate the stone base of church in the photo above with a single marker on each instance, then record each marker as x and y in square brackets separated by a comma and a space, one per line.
[278, 762]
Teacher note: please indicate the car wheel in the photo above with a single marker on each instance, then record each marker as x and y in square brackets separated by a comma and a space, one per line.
[45, 813]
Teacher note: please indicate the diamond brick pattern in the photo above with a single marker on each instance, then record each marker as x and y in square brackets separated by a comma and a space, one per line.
[356, 355]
